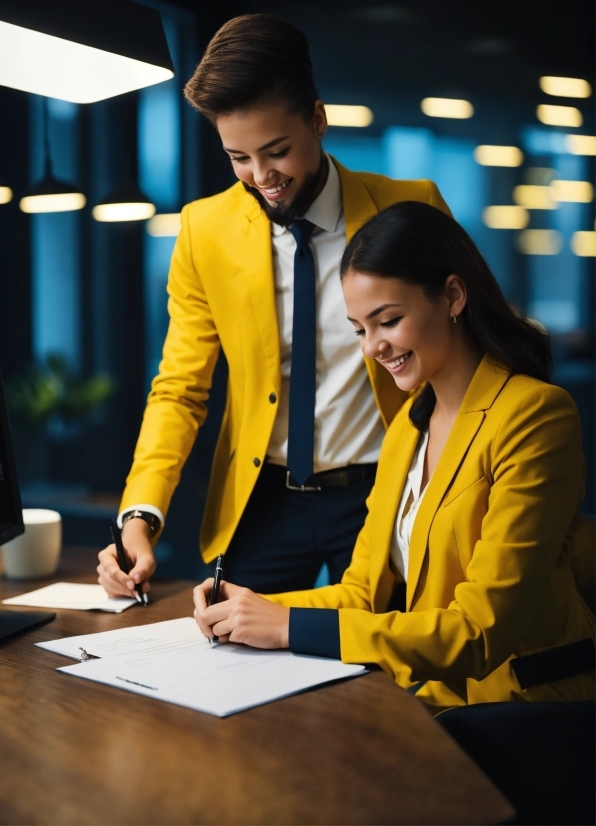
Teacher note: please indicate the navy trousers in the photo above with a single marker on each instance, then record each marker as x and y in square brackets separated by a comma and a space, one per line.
[285, 536]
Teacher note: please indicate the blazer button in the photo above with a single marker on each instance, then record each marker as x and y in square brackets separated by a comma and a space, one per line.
[272, 398]
[256, 462]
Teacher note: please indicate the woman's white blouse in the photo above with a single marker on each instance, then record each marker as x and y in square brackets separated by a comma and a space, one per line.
[412, 495]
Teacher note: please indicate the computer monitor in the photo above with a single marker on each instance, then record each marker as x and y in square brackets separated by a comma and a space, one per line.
[11, 512]
[11, 521]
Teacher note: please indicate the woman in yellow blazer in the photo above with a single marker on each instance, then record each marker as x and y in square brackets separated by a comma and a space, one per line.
[476, 500]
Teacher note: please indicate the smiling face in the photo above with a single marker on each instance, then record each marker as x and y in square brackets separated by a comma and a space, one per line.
[277, 155]
[411, 335]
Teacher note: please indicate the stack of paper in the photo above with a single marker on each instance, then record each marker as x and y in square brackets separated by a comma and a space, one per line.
[172, 661]
[73, 595]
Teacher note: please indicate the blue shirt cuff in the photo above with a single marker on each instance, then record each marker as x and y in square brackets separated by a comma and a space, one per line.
[315, 631]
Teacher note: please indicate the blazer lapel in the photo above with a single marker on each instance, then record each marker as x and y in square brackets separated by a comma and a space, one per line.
[389, 484]
[257, 269]
[358, 205]
[484, 388]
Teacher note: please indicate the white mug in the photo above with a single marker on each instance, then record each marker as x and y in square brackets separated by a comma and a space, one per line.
[36, 552]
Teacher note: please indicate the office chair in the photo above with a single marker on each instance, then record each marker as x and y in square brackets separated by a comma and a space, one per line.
[540, 755]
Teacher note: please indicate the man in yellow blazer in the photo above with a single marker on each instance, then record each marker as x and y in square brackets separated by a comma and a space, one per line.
[295, 460]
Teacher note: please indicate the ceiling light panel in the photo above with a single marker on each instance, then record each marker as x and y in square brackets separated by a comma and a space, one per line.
[81, 52]
[584, 243]
[498, 155]
[5, 194]
[534, 197]
[566, 87]
[506, 217]
[123, 212]
[580, 192]
[559, 115]
[54, 202]
[581, 144]
[447, 108]
[342, 115]
[540, 242]
[166, 224]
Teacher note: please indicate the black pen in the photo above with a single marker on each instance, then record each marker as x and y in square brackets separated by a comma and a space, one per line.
[123, 562]
[215, 590]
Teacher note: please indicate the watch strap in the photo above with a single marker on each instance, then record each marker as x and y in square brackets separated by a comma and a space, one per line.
[150, 518]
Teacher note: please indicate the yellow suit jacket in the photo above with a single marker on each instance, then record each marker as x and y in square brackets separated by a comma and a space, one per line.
[489, 575]
[222, 294]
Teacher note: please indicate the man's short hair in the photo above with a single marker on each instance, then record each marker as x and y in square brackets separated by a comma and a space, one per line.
[254, 59]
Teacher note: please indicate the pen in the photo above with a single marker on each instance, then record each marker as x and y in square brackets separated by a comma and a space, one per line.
[215, 589]
[123, 562]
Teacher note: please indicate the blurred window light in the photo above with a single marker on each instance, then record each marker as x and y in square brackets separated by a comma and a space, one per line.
[54, 202]
[124, 212]
[559, 115]
[5, 194]
[581, 144]
[487, 155]
[506, 217]
[540, 242]
[565, 87]
[584, 243]
[343, 115]
[534, 197]
[164, 224]
[447, 108]
[580, 192]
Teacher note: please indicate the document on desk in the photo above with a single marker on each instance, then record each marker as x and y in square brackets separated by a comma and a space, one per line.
[73, 595]
[177, 665]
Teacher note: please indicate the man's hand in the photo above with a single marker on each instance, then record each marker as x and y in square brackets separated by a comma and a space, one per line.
[241, 616]
[135, 537]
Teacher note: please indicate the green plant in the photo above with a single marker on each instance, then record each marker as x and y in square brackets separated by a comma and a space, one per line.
[52, 390]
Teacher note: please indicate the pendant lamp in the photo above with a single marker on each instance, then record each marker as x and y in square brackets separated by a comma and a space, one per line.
[126, 204]
[51, 194]
[5, 193]
[81, 50]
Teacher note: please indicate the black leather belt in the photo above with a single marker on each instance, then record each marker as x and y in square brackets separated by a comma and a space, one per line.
[341, 477]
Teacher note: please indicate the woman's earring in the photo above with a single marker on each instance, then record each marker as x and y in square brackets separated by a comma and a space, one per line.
[455, 319]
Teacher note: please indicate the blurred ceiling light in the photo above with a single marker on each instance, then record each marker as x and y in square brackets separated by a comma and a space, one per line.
[127, 204]
[580, 192]
[498, 155]
[539, 175]
[540, 242]
[584, 243]
[341, 115]
[506, 217]
[566, 87]
[559, 115]
[447, 108]
[81, 52]
[50, 194]
[534, 197]
[165, 224]
[581, 144]
[5, 194]
[46, 198]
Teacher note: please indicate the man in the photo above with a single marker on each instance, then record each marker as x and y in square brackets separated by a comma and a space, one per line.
[255, 272]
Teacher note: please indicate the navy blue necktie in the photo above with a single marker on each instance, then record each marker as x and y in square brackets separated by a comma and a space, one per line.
[301, 428]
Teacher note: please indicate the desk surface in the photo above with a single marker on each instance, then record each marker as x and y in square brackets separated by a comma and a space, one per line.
[359, 751]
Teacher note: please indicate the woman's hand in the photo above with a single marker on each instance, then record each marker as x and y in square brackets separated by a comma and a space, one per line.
[117, 583]
[241, 616]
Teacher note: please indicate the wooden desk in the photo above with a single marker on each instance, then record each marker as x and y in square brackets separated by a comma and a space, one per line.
[360, 751]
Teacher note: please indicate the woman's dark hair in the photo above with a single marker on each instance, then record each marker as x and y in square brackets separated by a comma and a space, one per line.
[420, 244]
[253, 59]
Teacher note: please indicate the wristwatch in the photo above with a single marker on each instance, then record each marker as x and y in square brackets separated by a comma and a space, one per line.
[150, 518]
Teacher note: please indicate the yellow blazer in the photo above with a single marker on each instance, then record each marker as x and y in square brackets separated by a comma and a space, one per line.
[222, 294]
[489, 574]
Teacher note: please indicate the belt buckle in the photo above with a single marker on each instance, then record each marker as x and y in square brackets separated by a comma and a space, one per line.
[301, 488]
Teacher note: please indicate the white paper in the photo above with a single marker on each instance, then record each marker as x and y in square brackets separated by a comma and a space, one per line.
[171, 661]
[72, 595]
[143, 638]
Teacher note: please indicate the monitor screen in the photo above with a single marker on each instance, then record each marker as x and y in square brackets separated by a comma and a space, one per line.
[11, 513]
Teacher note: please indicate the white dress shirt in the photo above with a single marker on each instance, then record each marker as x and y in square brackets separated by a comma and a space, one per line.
[348, 426]
[412, 496]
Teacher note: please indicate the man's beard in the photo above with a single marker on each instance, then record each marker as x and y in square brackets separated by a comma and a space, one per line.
[286, 214]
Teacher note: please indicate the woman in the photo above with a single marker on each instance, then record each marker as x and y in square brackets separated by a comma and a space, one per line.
[476, 499]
